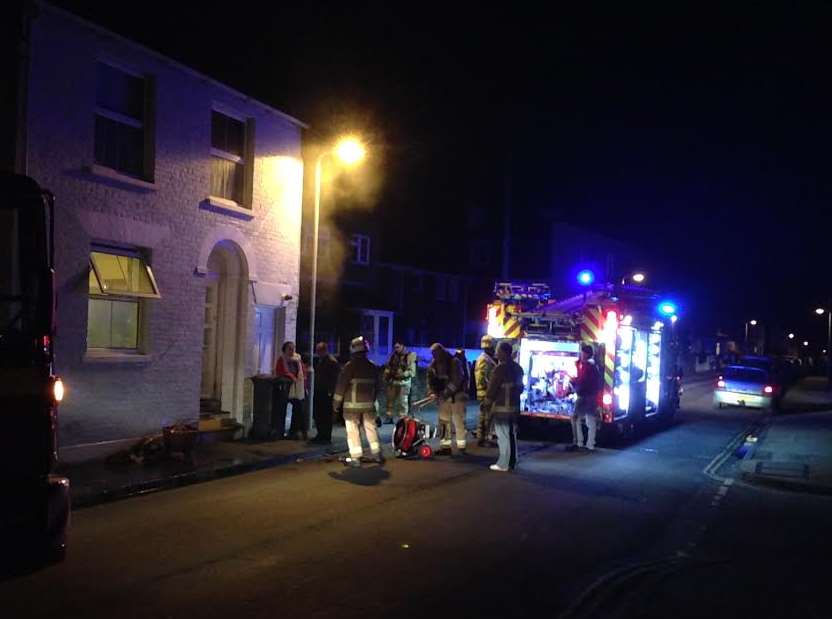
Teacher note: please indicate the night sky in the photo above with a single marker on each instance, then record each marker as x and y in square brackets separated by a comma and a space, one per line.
[701, 134]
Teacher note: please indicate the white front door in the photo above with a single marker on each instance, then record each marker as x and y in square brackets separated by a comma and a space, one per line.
[209, 342]
[264, 339]
[377, 328]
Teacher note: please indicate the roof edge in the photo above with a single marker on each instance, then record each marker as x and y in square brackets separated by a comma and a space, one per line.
[178, 65]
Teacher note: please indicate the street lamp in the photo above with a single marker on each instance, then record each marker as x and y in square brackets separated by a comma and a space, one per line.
[350, 151]
[639, 278]
[791, 336]
[753, 323]
[820, 312]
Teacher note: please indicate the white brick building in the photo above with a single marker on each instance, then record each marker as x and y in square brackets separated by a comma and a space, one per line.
[177, 232]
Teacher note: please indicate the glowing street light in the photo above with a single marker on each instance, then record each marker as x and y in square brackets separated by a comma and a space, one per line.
[639, 278]
[805, 343]
[350, 151]
[674, 318]
[820, 312]
[791, 336]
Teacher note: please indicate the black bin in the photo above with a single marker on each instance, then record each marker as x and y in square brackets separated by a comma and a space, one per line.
[261, 426]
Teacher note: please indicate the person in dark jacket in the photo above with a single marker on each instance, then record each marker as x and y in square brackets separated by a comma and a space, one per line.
[326, 369]
[503, 401]
[587, 386]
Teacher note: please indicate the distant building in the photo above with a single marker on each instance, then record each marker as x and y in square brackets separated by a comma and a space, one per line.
[359, 294]
[177, 232]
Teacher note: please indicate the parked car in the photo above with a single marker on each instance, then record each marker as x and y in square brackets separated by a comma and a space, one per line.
[746, 385]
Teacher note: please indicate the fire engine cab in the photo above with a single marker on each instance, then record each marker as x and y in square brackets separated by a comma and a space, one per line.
[626, 327]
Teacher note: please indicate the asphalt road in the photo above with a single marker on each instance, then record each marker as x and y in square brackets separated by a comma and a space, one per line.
[650, 528]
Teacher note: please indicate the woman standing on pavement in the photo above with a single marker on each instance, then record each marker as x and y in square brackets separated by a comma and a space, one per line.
[289, 368]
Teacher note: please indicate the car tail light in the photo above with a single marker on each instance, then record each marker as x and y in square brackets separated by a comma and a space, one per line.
[607, 399]
[768, 389]
[720, 384]
[58, 390]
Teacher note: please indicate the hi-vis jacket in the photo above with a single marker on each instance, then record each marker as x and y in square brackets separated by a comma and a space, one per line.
[400, 368]
[504, 390]
[482, 373]
[358, 386]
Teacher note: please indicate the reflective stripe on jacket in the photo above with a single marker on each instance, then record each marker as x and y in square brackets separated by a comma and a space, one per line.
[358, 385]
[505, 388]
[482, 373]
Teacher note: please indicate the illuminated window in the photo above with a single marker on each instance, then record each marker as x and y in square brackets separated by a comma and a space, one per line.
[118, 284]
[123, 131]
[231, 154]
[360, 249]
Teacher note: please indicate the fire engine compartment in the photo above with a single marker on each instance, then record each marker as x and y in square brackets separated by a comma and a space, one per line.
[549, 366]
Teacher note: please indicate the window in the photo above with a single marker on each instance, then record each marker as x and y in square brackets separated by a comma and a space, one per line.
[231, 142]
[377, 328]
[122, 123]
[360, 249]
[441, 287]
[117, 284]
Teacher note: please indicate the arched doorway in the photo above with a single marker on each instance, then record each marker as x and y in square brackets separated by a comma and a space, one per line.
[224, 324]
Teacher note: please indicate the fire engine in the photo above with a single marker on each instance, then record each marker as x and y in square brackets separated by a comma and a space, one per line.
[627, 327]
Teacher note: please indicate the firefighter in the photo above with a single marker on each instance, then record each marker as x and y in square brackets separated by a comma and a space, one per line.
[485, 365]
[587, 386]
[445, 376]
[398, 375]
[358, 387]
[503, 400]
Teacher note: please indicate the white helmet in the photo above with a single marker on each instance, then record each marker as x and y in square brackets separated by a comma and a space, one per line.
[359, 344]
[487, 342]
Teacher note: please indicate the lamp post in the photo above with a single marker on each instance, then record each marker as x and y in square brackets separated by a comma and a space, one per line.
[752, 323]
[820, 312]
[350, 151]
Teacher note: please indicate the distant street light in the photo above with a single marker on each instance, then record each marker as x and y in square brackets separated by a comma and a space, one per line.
[350, 151]
[805, 343]
[674, 318]
[753, 323]
[791, 336]
[639, 278]
[820, 312]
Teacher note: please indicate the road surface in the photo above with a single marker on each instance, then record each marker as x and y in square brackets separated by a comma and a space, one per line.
[657, 526]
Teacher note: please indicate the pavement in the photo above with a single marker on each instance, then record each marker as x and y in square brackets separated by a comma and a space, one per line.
[101, 481]
[792, 449]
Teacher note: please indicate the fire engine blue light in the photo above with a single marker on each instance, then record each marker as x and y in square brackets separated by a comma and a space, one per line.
[668, 308]
[586, 277]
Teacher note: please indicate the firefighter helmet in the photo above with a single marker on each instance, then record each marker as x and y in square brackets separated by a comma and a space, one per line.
[487, 342]
[359, 344]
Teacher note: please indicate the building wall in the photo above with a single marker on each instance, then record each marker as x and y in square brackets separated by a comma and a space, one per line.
[109, 399]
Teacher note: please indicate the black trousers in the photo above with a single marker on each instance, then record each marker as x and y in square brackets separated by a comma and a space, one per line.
[323, 415]
[300, 419]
